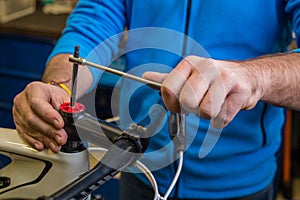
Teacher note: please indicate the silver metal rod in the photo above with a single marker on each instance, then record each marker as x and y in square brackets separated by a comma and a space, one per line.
[74, 77]
[83, 62]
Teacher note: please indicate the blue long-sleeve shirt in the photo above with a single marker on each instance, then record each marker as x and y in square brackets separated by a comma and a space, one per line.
[236, 161]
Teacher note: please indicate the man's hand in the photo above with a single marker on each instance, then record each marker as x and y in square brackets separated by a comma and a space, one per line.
[213, 89]
[36, 115]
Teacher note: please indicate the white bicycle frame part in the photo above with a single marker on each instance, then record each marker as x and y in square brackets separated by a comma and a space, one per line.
[32, 173]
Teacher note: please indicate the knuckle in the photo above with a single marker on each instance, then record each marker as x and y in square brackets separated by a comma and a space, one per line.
[226, 121]
[25, 136]
[188, 102]
[49, 115]
[44, 139]
[170, 100]
[188, 62]
[48, 133]
[205, 112]
[34, 102]
[20, 131]
[29, 119]
[167, 94]
[30, 86]
[192, 58]
[17, 99]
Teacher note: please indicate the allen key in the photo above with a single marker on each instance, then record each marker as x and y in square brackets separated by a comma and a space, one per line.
[74, 77]
[83, 62]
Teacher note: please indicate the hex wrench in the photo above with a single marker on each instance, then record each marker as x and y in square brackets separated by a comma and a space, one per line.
[83, 62]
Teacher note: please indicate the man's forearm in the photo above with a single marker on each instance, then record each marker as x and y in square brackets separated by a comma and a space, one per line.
[279, 78]
[60, 70]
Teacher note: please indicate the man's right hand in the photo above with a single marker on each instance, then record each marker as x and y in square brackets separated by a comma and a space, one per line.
[36, 116]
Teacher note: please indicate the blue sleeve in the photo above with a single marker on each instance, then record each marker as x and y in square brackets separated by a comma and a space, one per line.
[293, 9]
[90, 23]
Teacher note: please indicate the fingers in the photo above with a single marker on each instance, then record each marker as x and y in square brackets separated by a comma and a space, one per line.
[169, 93]
[178, 87]
[193, 91]
[213, 100]
[39, 141]
[155, 76]
[210, 88]
[45, 106]
[232, 105]
[173, 87]
[36, 118]
[38, 133]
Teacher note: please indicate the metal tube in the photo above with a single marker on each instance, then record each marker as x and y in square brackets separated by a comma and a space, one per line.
[82, 61]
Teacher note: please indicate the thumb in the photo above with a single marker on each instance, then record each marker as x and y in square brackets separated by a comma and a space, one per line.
[155, 76]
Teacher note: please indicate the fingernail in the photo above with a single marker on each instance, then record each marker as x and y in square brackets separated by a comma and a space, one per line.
[56, 123]
[58, 139]
[52, 146]
[36, 146]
